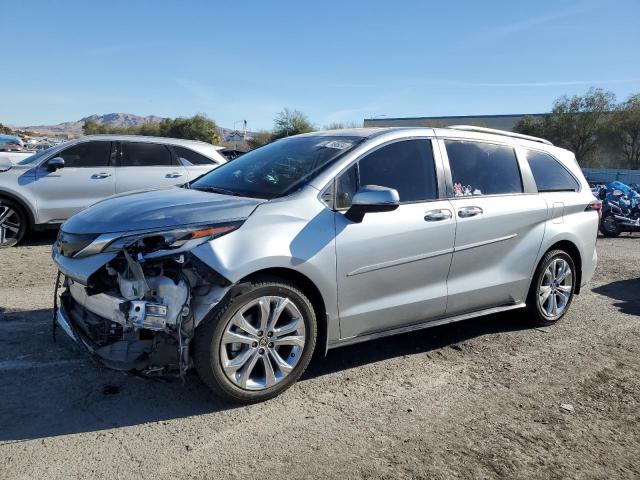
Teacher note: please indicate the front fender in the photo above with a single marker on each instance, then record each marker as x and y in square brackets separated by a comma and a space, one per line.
[287, 235]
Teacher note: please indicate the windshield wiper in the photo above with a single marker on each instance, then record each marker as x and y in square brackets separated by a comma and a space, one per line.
[218, 190]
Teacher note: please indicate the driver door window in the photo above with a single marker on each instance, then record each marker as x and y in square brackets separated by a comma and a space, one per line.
[406, 166]
[87, 155]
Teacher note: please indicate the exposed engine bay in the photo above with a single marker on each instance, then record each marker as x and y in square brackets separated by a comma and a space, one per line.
[140, 310]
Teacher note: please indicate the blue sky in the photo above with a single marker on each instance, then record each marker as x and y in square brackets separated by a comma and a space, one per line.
[334, 60]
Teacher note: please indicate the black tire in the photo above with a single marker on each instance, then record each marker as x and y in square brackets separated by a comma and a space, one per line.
[534, 310]
[208, 339]
[17, 217]
[609, 227]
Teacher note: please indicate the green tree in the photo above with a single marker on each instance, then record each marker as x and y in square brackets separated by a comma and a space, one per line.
[290, 122]
[259, 139]
[624, 131]
[148, 129]
[5, 130]
[529, 125]
[341, 125]
[198, 127]
[91, 127]
[578, 123]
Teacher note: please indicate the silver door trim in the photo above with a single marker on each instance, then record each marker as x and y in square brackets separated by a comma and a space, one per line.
[399, 261]
[421, 326]
[484, 242]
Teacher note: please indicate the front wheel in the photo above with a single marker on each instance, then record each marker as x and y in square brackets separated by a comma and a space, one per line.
[13, 223]
[552, 288]
[609, 226]
[257, 344]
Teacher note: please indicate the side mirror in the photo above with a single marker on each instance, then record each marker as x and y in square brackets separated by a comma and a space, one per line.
[372, 198]
[55, 163]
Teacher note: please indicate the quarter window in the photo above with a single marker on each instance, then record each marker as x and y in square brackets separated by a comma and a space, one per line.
[549, 174]
[346, 187]
[479, 168]
[406, 166]
[87, 155]
[144, 154]
[188, 157]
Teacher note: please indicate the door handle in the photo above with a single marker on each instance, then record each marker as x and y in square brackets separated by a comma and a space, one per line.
[437, 215]
[174, 175]
[466, 212]
[101, 175]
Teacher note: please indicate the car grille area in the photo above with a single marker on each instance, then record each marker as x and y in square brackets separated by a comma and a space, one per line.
[99, 330]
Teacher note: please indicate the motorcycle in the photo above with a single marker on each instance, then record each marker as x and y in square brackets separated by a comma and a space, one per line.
[620, 210]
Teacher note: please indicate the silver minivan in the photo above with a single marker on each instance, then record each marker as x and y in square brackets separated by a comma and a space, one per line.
[46, 188]
[322, 240]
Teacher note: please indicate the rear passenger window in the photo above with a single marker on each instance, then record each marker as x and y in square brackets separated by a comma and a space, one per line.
[87, 155]
[479, 168]
[188, 157]
[549, 174]
[144, 154]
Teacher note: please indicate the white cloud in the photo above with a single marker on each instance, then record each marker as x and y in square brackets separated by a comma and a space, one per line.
[560, 83]
[531, 22]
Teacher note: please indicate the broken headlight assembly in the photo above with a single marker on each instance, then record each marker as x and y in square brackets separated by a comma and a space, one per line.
[189, 236]
[140, 309]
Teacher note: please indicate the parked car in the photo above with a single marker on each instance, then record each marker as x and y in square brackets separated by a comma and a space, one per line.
[11, 143]
[14, 157]
[49, 186]
[322, 240]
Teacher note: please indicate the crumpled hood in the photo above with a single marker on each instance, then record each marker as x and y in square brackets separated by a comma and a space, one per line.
[158, 209]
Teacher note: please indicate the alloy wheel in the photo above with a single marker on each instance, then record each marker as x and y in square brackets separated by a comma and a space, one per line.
[10, 225]
[556, 288]
[262, 343]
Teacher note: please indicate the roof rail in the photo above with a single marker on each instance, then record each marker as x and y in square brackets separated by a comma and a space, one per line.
[471, 128]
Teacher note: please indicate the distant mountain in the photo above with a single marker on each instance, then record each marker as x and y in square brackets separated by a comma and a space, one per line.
[75, 128]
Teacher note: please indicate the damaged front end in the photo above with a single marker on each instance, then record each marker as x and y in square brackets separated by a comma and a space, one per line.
[139, 309]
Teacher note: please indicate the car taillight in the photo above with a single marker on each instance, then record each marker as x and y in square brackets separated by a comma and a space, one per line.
[596, 205]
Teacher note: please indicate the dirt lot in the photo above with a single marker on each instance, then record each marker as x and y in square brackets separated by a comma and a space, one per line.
[480, 399]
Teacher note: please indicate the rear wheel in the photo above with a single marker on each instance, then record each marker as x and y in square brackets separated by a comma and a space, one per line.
[552, 289]
[609, 226]
[256, 345]
[13, 223]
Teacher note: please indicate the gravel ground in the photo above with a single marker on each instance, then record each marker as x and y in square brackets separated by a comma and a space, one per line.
[479, 399]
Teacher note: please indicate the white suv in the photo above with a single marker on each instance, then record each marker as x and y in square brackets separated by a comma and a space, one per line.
[53, 184]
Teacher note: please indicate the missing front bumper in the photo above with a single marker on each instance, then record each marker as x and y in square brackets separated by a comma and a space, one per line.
[157, 354]
[64, 323]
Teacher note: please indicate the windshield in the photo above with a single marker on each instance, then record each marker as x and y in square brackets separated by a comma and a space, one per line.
[36, 156]
[278, 168]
